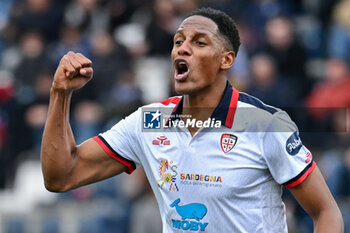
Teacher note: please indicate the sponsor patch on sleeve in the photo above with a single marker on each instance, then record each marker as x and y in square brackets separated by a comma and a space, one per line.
[293, 144]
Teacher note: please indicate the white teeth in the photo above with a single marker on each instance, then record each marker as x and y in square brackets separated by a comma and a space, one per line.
[183, 74]
[182, 70]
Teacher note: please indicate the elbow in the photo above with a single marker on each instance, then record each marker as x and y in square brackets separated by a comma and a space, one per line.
[340, 220]
[56, 187]
[332, 216]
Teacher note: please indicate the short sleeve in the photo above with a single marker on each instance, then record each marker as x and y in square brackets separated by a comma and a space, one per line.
[288, 160]
[121, 141]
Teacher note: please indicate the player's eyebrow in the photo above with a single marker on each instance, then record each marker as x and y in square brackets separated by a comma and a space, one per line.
[195, 34]
[201, 34]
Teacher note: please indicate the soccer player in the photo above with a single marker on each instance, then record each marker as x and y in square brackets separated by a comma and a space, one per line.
[222, 178]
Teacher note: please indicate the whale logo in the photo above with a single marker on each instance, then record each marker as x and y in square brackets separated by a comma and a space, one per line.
[190, 211]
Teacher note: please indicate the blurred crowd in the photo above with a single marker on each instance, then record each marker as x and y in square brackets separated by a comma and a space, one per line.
[295, 55]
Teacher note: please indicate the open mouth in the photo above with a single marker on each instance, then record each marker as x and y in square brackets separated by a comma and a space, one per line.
[181, 70]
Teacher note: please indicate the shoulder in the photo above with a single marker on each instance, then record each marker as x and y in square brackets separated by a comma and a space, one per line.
[163, 107]
[257, 115]
[170, 102]
[246, 100]
[167, 103]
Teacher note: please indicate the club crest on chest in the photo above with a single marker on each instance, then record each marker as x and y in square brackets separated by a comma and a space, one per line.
[227, 142]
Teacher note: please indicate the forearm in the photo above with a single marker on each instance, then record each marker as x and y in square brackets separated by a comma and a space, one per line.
[58, 144]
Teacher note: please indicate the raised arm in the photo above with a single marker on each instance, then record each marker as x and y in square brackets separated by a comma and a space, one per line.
[65, 165]
[316, 199]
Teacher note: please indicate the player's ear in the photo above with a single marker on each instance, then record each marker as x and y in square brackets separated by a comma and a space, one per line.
[227, 60]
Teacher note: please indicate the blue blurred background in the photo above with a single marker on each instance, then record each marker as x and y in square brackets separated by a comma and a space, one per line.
[295, 55]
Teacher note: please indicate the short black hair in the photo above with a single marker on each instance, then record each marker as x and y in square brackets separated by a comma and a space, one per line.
[226, 25]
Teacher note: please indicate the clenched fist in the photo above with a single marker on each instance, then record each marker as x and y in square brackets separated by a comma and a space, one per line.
[73, 72]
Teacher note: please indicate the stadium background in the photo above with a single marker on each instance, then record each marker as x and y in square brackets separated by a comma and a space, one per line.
[294, 55]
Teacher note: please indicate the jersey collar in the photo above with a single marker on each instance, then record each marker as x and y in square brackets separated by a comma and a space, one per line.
[224, 112]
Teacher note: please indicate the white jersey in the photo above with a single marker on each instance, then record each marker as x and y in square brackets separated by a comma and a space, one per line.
[226, 178]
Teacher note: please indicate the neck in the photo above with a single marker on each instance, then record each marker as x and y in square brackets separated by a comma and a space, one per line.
[202, 104]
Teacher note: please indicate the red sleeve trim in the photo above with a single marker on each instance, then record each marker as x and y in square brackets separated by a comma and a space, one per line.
[106, 147]
[232, 108]
[302, 176]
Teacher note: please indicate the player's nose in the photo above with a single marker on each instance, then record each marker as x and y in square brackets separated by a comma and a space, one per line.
[184, 49]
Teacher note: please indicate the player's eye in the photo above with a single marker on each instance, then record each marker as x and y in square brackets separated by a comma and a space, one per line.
[201, 43]
[178, 42]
